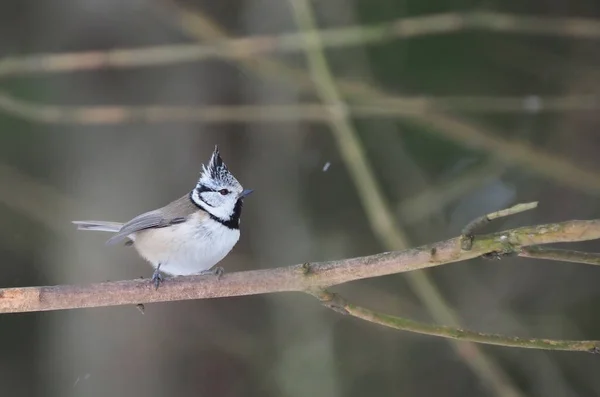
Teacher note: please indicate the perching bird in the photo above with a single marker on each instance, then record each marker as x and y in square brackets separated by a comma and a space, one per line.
[191, 234]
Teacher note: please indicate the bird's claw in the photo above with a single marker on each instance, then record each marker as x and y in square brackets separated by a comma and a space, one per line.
[217, 271]
[157, 278]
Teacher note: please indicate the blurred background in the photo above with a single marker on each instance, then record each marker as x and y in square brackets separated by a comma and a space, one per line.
[397, 124]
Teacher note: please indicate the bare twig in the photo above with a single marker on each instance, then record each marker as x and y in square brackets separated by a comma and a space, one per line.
[336, 302]
[533, 104]
[215, 114]
[468, 231]
[296, 42]
[563, 255]
[90, 115]
[544, 164]
[292, 278]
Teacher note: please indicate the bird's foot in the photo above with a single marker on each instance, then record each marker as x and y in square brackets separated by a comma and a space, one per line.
[157, 278]
[216, 271]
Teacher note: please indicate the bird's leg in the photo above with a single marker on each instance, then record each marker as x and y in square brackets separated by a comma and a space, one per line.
[217, 271]
[157, 278]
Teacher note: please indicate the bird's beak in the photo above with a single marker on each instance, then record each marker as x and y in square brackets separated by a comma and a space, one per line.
[245, 193]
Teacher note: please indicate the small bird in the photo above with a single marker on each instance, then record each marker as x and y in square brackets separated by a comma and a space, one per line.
[191, 234]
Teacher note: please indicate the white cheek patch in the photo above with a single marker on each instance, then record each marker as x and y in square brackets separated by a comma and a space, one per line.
[223, 210]
[219, 206]
[212, 199]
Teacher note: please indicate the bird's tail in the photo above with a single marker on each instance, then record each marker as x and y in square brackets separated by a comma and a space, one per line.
[99, 226]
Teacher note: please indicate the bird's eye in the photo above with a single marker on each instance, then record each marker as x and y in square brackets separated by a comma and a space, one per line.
[224, 192]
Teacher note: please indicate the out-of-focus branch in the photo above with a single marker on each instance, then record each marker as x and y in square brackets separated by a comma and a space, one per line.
[90, 115]
[232, 48]
[451, 127]
[308, 112]
[518, 153]
[425, 112]
[533, 104]
[530, 158]
[296, 42]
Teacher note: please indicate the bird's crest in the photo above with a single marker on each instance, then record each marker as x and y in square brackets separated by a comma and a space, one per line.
[215, 172]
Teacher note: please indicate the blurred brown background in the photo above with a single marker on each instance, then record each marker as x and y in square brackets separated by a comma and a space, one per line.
[437, 166]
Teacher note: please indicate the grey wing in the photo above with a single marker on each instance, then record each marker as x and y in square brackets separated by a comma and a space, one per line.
[144, 221]
[174, 213]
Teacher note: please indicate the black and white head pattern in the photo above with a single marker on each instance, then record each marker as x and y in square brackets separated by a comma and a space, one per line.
[218, 192]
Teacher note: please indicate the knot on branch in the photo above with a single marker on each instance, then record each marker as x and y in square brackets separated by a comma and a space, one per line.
[330, 300]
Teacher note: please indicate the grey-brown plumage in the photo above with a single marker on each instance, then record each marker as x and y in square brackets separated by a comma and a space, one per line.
[191, 234]
[171, 214]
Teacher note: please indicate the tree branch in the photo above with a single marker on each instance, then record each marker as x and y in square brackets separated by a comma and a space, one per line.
[295, 42]
[299, 278]
[339, 304]
[277, 113]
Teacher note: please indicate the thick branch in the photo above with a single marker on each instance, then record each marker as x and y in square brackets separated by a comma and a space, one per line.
[292, 278]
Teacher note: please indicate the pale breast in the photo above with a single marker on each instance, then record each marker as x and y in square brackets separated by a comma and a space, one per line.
[186, 248]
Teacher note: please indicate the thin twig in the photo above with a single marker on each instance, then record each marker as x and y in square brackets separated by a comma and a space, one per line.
[91, 115]
[468, 231]
[296, 42]
[338, 303]
[302, 277]
[308, 112]
[563, 255]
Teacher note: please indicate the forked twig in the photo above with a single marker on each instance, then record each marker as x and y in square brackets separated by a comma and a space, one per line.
[468, 231]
